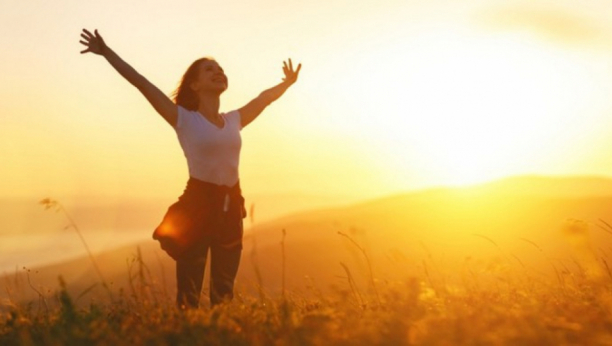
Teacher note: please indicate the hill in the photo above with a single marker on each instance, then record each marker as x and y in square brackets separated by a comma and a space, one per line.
[533, 224]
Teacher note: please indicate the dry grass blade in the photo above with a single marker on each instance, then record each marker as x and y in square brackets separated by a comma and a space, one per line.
[284, 261]
[487, 239]
[367, 261]
[532, 243]
[352, 284]
[53, 204]
[608, 227]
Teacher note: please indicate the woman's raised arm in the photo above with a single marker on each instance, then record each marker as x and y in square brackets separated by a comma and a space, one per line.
[162, 103]
[252, 109]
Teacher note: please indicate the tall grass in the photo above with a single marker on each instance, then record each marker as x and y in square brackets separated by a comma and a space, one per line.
[410, 312]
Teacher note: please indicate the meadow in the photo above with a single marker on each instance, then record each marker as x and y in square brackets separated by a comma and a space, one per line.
[490, 307]
[354, 288]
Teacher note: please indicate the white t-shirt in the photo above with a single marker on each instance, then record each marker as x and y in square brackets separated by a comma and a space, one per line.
[212, 153]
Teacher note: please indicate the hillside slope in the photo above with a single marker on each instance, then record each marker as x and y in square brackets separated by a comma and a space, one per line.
[523, 224]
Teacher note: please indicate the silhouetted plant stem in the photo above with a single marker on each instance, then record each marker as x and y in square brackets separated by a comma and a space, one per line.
[283, 264]
[53, 204]
[353, 285]
[368, 262]
[255, 264]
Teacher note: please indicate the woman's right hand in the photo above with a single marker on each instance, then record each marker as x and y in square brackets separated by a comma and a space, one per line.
[94, 42]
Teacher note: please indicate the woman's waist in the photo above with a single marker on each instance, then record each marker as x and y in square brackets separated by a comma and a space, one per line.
[225, 176]
[204, 188]
[203, 195]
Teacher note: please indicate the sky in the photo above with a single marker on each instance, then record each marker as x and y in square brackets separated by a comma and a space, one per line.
[393, 95]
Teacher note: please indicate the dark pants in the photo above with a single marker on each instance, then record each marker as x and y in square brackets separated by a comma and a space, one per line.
[206, 217]
[190, 273]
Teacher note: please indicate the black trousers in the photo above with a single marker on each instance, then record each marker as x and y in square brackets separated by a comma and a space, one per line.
[206, 218]
[190, 274]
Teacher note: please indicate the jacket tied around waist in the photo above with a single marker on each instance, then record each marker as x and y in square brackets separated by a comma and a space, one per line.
[203, 210]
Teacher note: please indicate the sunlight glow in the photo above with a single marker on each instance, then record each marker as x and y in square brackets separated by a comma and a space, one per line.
[474, 107]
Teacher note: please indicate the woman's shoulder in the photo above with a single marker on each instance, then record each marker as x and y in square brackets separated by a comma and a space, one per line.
[184, 116]
[185, 111]
[233, 117]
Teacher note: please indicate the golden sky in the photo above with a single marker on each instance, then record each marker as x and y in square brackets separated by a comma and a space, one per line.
[393, 95]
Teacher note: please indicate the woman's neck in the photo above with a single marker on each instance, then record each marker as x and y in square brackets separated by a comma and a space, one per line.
[209, 105]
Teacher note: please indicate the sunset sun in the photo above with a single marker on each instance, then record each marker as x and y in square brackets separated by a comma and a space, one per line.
[475, 107]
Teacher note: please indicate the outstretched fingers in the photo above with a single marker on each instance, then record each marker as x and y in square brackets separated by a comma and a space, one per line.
[93, 42]
[291, 74]
[88, 33]
[288, 65]
[86, 44]
[86, 38]
[291, 69]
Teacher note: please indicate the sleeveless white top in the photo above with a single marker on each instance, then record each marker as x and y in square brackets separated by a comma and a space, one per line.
[212, 153]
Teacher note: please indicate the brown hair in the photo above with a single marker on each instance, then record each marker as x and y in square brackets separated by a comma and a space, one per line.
[183, 95]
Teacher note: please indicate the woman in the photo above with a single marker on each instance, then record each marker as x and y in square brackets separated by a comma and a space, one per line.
[208, 216]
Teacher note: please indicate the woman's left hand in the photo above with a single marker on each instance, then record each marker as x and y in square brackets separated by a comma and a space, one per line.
[290, 75]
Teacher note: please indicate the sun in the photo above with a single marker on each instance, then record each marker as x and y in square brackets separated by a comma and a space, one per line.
[464, 108]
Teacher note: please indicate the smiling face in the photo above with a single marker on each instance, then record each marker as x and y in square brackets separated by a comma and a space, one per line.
[211, 78]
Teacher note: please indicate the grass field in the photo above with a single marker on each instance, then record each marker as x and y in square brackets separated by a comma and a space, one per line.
[491, 304]
[491, 293]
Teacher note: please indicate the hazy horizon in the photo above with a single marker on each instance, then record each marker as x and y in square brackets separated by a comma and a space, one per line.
[32, 236]
[26, 210]
[534, 219]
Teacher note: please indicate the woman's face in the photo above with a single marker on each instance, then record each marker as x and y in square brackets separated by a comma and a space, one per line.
[210, 77]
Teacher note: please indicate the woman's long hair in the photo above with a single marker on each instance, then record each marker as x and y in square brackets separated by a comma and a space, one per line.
[184, 96]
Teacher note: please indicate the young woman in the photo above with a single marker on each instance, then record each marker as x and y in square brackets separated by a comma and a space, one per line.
[208, 215]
